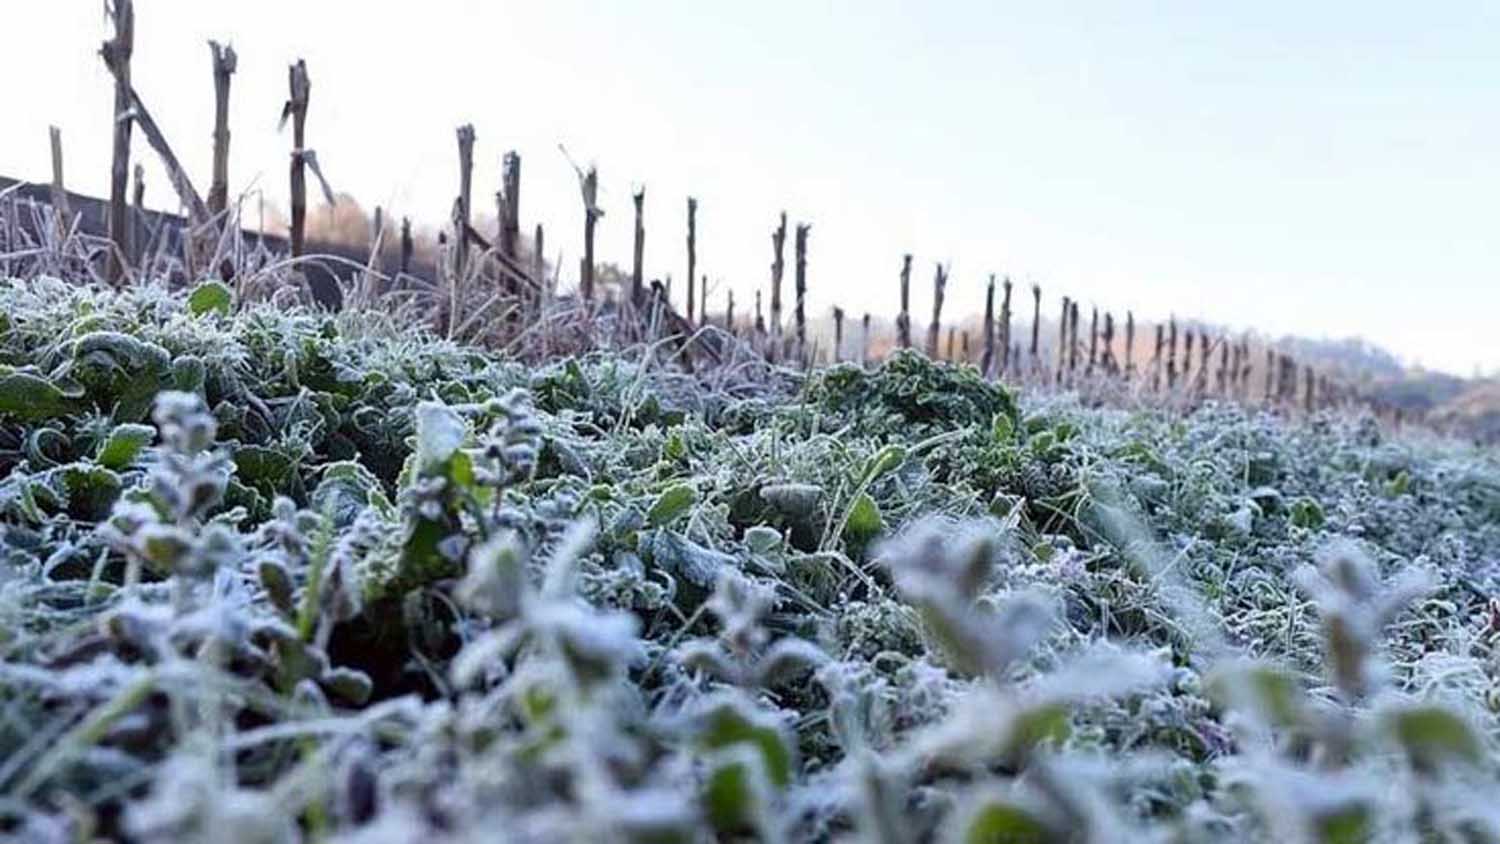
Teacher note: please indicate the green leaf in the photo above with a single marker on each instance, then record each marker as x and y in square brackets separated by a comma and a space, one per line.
[1268, 692]
[91, 490]
[1002, 428]
[123, 445]
[1307, 514]
[730, 723]
[210, 297]
[864, 518]
[729, 797]
[999, 820]
[32, 398]
[887, 459]
[1346, 824]
[1431, 735]
[267, 468]
[675, 501]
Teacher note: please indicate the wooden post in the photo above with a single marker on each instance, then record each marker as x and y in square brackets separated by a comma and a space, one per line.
[729, 312]
[838, 334]
[702, 301]
[778, 250]
[987, 357]
[939, 287]
[692, 251]
[1308, 381]
[801, 246]
[864, 340]
[1172, 353]
[1156, 359]
[138, 220]
[1062, 340]
[1221, 377]
[1187, 358]
[1270, 374]
[638, 267]
[510, 206]
[62, 214]
[1203, 359]
[903, 319]
[296, 106]
[1129, 344]
[406, 245]
[539, 263]
[462, 209]
[1093, 340]
[589, 184]
[949, 355]
[1036, 323]
[963, 346]
[1005, 359]
[1073, 345]
[224, 64]
[760, 318]
[1109, 345]
[116, 53]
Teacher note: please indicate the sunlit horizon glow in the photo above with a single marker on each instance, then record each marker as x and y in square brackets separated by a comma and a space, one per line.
[1326, 171]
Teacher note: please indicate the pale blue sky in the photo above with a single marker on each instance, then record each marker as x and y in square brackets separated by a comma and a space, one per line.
[1326, 169]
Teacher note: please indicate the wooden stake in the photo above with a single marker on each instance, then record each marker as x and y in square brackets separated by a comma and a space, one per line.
[1036, 322]
[1129, 344]
[778, 249]
[116, 53]
[296, 106]
[1073, 346]
[62, 213]
[510, 207]
[801, 245]
[1156, 359]
[729, 312]
[1172, 353]
[949, 355]
[1005, 359]
[588, 183]
[138, 220]
[638, 266]
[864, 340]
[939, 288]
[406, 246]
[224, 64]
[461, 210]
[1094, 341]
[903, 319]
[760, 319]
[1187, 358]
[1110, 368]
[963, 346]
[838, 334]
[539, 263]
[987, 356]
[1203, 354]
[702, 302]
[1062, 339]
[692, 250]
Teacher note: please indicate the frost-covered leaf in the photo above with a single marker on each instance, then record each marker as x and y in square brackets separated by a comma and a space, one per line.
[123, 445]
[210, 297]
[673, 502]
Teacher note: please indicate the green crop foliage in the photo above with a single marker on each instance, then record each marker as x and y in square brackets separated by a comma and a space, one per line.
[280, 575]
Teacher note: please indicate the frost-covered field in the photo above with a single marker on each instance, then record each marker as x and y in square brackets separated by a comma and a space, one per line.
[271, 575]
